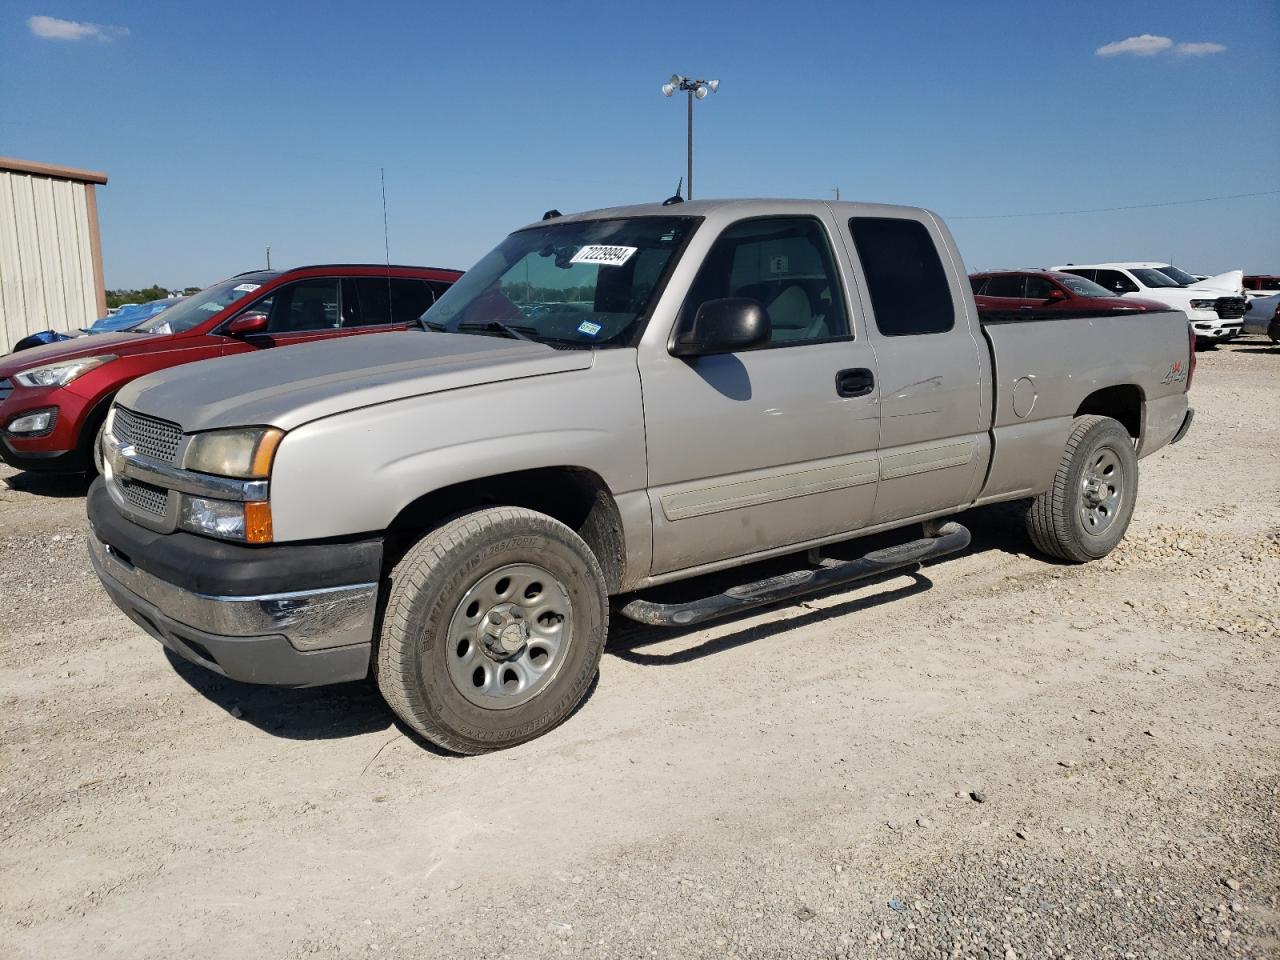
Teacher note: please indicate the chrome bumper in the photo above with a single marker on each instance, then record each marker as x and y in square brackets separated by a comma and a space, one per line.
[309, 619]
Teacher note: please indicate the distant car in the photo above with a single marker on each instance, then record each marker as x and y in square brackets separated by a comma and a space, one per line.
[131, 315]
[1260, 285]
[1263, 317]
[1214, 306]
[1014, 294]
[123, 318]
[54, 399]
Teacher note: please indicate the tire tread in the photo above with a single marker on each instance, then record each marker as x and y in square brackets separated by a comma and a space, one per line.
[396, 652]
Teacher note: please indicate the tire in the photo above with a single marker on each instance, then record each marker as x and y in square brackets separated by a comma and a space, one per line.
[1082, 516]
[446, 666]
[95, 451]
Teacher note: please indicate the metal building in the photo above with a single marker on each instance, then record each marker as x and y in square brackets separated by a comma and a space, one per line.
[50, 251]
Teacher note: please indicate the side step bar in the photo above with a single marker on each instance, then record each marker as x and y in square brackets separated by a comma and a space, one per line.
[949, 538]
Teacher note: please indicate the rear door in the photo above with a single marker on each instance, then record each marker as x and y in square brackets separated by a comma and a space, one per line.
[933, 370]
[1004, 293]
[757, 450]
[385, 303]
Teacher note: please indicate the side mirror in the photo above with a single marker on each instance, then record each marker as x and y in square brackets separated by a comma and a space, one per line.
[247, 323]
[1056, 295]
[730, 325]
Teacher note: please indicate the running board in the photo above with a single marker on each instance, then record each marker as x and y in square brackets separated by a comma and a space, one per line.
[949, 538]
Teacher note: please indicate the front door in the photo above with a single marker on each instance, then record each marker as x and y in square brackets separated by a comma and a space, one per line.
[299, 312]
[770, 447]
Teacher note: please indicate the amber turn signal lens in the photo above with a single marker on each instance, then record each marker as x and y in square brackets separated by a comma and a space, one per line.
[265, 453]
[257, 522]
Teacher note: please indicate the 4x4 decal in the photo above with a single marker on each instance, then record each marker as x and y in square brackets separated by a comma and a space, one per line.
[1177, 373]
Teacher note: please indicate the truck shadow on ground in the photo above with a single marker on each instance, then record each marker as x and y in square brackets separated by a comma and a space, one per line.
[58, 485]
[353, 709]
[308, 713]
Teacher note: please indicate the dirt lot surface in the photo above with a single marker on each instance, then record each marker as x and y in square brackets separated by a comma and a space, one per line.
[997, 757]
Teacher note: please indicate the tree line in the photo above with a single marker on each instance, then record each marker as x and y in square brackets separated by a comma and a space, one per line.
[154, 292]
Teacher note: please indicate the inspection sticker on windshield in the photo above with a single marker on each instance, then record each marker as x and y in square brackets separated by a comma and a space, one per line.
[589, 328]
[604, 254]
[246, 287]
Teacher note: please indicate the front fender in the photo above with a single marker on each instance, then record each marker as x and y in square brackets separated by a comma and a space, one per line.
[354, 472]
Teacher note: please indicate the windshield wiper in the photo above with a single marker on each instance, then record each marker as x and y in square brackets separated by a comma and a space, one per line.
[497, 326]
[435, 325]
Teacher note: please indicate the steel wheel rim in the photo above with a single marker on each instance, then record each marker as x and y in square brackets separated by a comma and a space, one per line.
[509, 636]
[1101, 491]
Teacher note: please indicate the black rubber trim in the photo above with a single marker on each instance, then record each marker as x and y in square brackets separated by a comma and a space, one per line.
[218, 568]
[1186, 425]
[43, 461]
[268, 660]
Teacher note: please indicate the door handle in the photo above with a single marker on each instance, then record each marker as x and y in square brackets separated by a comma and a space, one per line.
[855, 382]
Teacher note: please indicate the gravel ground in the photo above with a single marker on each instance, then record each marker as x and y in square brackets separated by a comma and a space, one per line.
[996, 757]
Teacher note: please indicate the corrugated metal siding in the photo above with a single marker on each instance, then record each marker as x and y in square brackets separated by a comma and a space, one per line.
[46, 257]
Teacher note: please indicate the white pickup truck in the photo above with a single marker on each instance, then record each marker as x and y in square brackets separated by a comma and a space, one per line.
[608, 402]
[1215, 305]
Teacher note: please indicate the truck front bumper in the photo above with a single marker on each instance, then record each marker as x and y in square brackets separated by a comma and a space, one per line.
[316, 634]
[1216, 331]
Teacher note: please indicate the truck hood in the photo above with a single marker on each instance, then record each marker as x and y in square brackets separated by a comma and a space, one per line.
[1231, 282]
[290, 386]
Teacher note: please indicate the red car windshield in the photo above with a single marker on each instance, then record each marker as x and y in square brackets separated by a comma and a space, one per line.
[1084, 288]
[195, 310]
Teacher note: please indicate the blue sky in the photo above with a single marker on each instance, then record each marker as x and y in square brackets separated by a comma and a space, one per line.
[226, 127]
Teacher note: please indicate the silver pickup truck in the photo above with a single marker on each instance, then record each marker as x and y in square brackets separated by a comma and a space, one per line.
[607, 402]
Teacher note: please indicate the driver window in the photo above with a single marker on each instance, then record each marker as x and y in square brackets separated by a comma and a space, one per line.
[785, 264]
[1117, 281]
[301, 307]
[1038, 288]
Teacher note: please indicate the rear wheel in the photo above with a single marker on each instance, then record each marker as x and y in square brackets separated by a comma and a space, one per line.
[1086, 511]
[493, 631]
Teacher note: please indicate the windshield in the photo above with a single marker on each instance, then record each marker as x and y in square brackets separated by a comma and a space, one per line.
[583, 284]
[1083, 287]
[1180, 277]
[195, 310]
[1154, 278]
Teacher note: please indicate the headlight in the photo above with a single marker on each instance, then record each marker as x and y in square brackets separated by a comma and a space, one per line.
[62, 373]
[228, 520]
[1204, 304]
[242, 453]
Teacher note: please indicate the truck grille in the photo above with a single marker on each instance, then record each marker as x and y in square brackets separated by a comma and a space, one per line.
[150, 436]
[6, 388]
[145, 496]
[1230, 308]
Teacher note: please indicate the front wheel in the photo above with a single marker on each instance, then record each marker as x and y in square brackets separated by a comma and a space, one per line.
[1085, 512]
[494, 627]
[95, 454]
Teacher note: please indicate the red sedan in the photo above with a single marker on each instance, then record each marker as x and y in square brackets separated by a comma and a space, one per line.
[1019, 294]
[54, 398]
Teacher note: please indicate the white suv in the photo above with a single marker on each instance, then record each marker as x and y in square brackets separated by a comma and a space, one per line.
[1214, 306]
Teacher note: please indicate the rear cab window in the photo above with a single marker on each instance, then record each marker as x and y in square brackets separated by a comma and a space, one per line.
[906, 282]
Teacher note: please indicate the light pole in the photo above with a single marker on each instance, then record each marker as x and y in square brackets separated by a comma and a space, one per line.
[694, 88]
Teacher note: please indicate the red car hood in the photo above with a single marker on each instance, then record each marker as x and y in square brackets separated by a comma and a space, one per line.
[1130, 303]
[121, 344]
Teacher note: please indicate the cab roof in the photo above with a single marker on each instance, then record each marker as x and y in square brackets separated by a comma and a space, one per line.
[733, 209]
